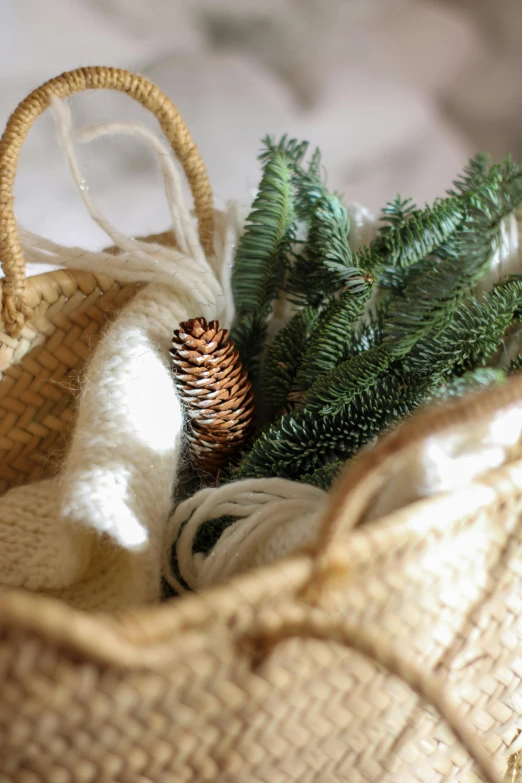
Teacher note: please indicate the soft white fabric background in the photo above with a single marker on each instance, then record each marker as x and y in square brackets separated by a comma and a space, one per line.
[398, 93]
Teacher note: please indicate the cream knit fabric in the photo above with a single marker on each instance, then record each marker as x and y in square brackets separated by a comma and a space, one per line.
[96, 536]
[40, 550]
[93, 535]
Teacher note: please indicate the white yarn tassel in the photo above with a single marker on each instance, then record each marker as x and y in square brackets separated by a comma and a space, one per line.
[274, 517]
[120, 470]
[195, 275]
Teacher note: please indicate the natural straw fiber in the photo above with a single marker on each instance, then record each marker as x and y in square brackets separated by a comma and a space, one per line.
[50, 323]
[387, 653]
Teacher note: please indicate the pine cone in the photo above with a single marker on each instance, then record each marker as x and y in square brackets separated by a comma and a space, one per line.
[216, 392]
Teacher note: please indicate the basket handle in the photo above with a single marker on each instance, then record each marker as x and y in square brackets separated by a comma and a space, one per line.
[15, 310]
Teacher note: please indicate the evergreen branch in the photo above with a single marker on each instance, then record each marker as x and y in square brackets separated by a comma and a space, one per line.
[308, 181]
[314, 167]
[475, 175]
[428, 339]
[334, 391]
[330, 337]
[327, 244]
[262, 254]
[370, 331]
[395, 278]
[284, 355]
[249, 335]
[429, 301]
[324, 477]
[309, 187]
[474, 333]
[328, 262]
[293, 150]
[395, 214]
[301, 442]
[411, 241]
[269, 231]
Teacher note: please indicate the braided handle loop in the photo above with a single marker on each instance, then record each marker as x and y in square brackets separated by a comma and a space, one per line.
[15, 310]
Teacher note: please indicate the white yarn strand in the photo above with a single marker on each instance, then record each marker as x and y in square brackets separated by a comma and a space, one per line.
[275, 517]
[197, 279]
[64, 125]
[181, 219]
[124, 267]
[121, 469]
[259, 507]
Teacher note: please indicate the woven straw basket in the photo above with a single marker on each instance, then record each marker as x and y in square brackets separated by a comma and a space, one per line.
[389, 652]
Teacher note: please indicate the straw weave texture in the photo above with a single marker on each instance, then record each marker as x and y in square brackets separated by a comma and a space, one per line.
[40, 370]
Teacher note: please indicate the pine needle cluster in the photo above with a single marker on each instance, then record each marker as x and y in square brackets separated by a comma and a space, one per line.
[374, 333]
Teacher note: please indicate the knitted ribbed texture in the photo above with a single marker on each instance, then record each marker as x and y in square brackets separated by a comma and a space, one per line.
[121, 465]
[93, 535]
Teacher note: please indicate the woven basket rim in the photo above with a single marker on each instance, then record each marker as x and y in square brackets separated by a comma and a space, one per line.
[147, 635]
[47, 286]
[136, 636]
[144, 635]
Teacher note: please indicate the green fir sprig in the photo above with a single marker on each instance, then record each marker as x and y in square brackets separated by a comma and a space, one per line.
[262, 256]
[375, 332]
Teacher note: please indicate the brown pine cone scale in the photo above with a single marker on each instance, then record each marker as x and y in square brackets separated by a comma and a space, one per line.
[215, 390]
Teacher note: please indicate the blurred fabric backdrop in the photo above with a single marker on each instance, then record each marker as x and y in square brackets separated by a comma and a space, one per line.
[397, 93]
